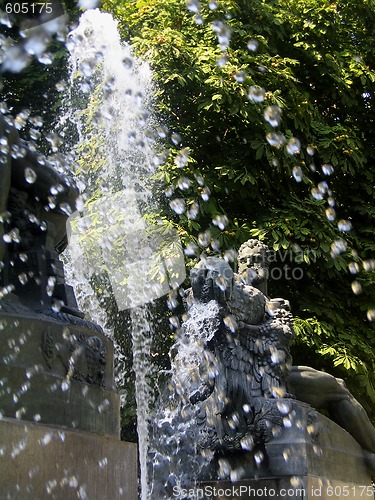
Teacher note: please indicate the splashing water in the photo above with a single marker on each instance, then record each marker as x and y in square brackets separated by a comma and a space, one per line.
[176, 454]
[111, 237]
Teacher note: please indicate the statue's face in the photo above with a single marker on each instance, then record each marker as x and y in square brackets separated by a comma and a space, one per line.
[252, 265]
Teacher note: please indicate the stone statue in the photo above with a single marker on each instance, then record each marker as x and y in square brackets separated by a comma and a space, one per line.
[319, 389]
[43, 331]
[255, 367]
[251, 348]
[36, 201]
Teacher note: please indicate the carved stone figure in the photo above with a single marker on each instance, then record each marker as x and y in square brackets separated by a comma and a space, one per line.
[35, 202]
[252, 348]
[44, 335]
[319, 389]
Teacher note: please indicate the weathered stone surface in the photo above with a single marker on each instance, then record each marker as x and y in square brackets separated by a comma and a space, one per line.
[58, 373]
[39, 461]
[308, 446]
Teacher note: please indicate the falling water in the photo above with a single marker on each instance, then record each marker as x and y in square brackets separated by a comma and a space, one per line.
[109, 90]
[177, 459]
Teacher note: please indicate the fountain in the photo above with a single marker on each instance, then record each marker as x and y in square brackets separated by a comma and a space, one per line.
[111, 199]
[58, 391]
[246, 417]
[229, 413]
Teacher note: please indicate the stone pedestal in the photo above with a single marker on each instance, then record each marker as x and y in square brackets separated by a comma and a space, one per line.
[39, 461]
[59, 410]
[311, 457]
[57, 371]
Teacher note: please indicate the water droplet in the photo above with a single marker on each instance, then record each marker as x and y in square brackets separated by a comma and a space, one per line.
[274, 139]
[191, 249]
[224, 468]
[60, 86]
[65, 385]
[182, 158]
[88, 4]
[353, 267]
[294, 146]
[258, 457]
[193, 211]
[286, 454]
[344, 225]
[193, 6]
[240, 76]
[204, 239]
[221, 221]
[338, 246]
[30, 175]
[310, 150]
[183, 183]
[205, 193]
[212, 5]
[178, 205]
[272, 115]
[297, 173]
[356, 287]
[296, 482]
[327, 169]
[46, 58]
[37, 417]
[247, 443]
[198, 20]
[19, 447]
[23, 278]
[174, 321]
[316, 193]
[256, 94]
[46, 439]
[66, 208]
[222, 61]
[331, 214]
[5, 20]
[51, 485]
[36, 121]
[284, 407]
[231, 323]
[317, 450]
[175, 138]
[287, 422]
[20, 412]
[236, 474]
[323, 187]
[371, 314]
[127, 62]
[252, 45]
[103, 463]
[369, 264]
[223, 32]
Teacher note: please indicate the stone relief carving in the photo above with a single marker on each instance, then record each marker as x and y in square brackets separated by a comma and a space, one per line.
[82, 357]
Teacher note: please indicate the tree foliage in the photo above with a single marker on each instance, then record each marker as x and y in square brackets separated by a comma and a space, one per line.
[315, 61]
